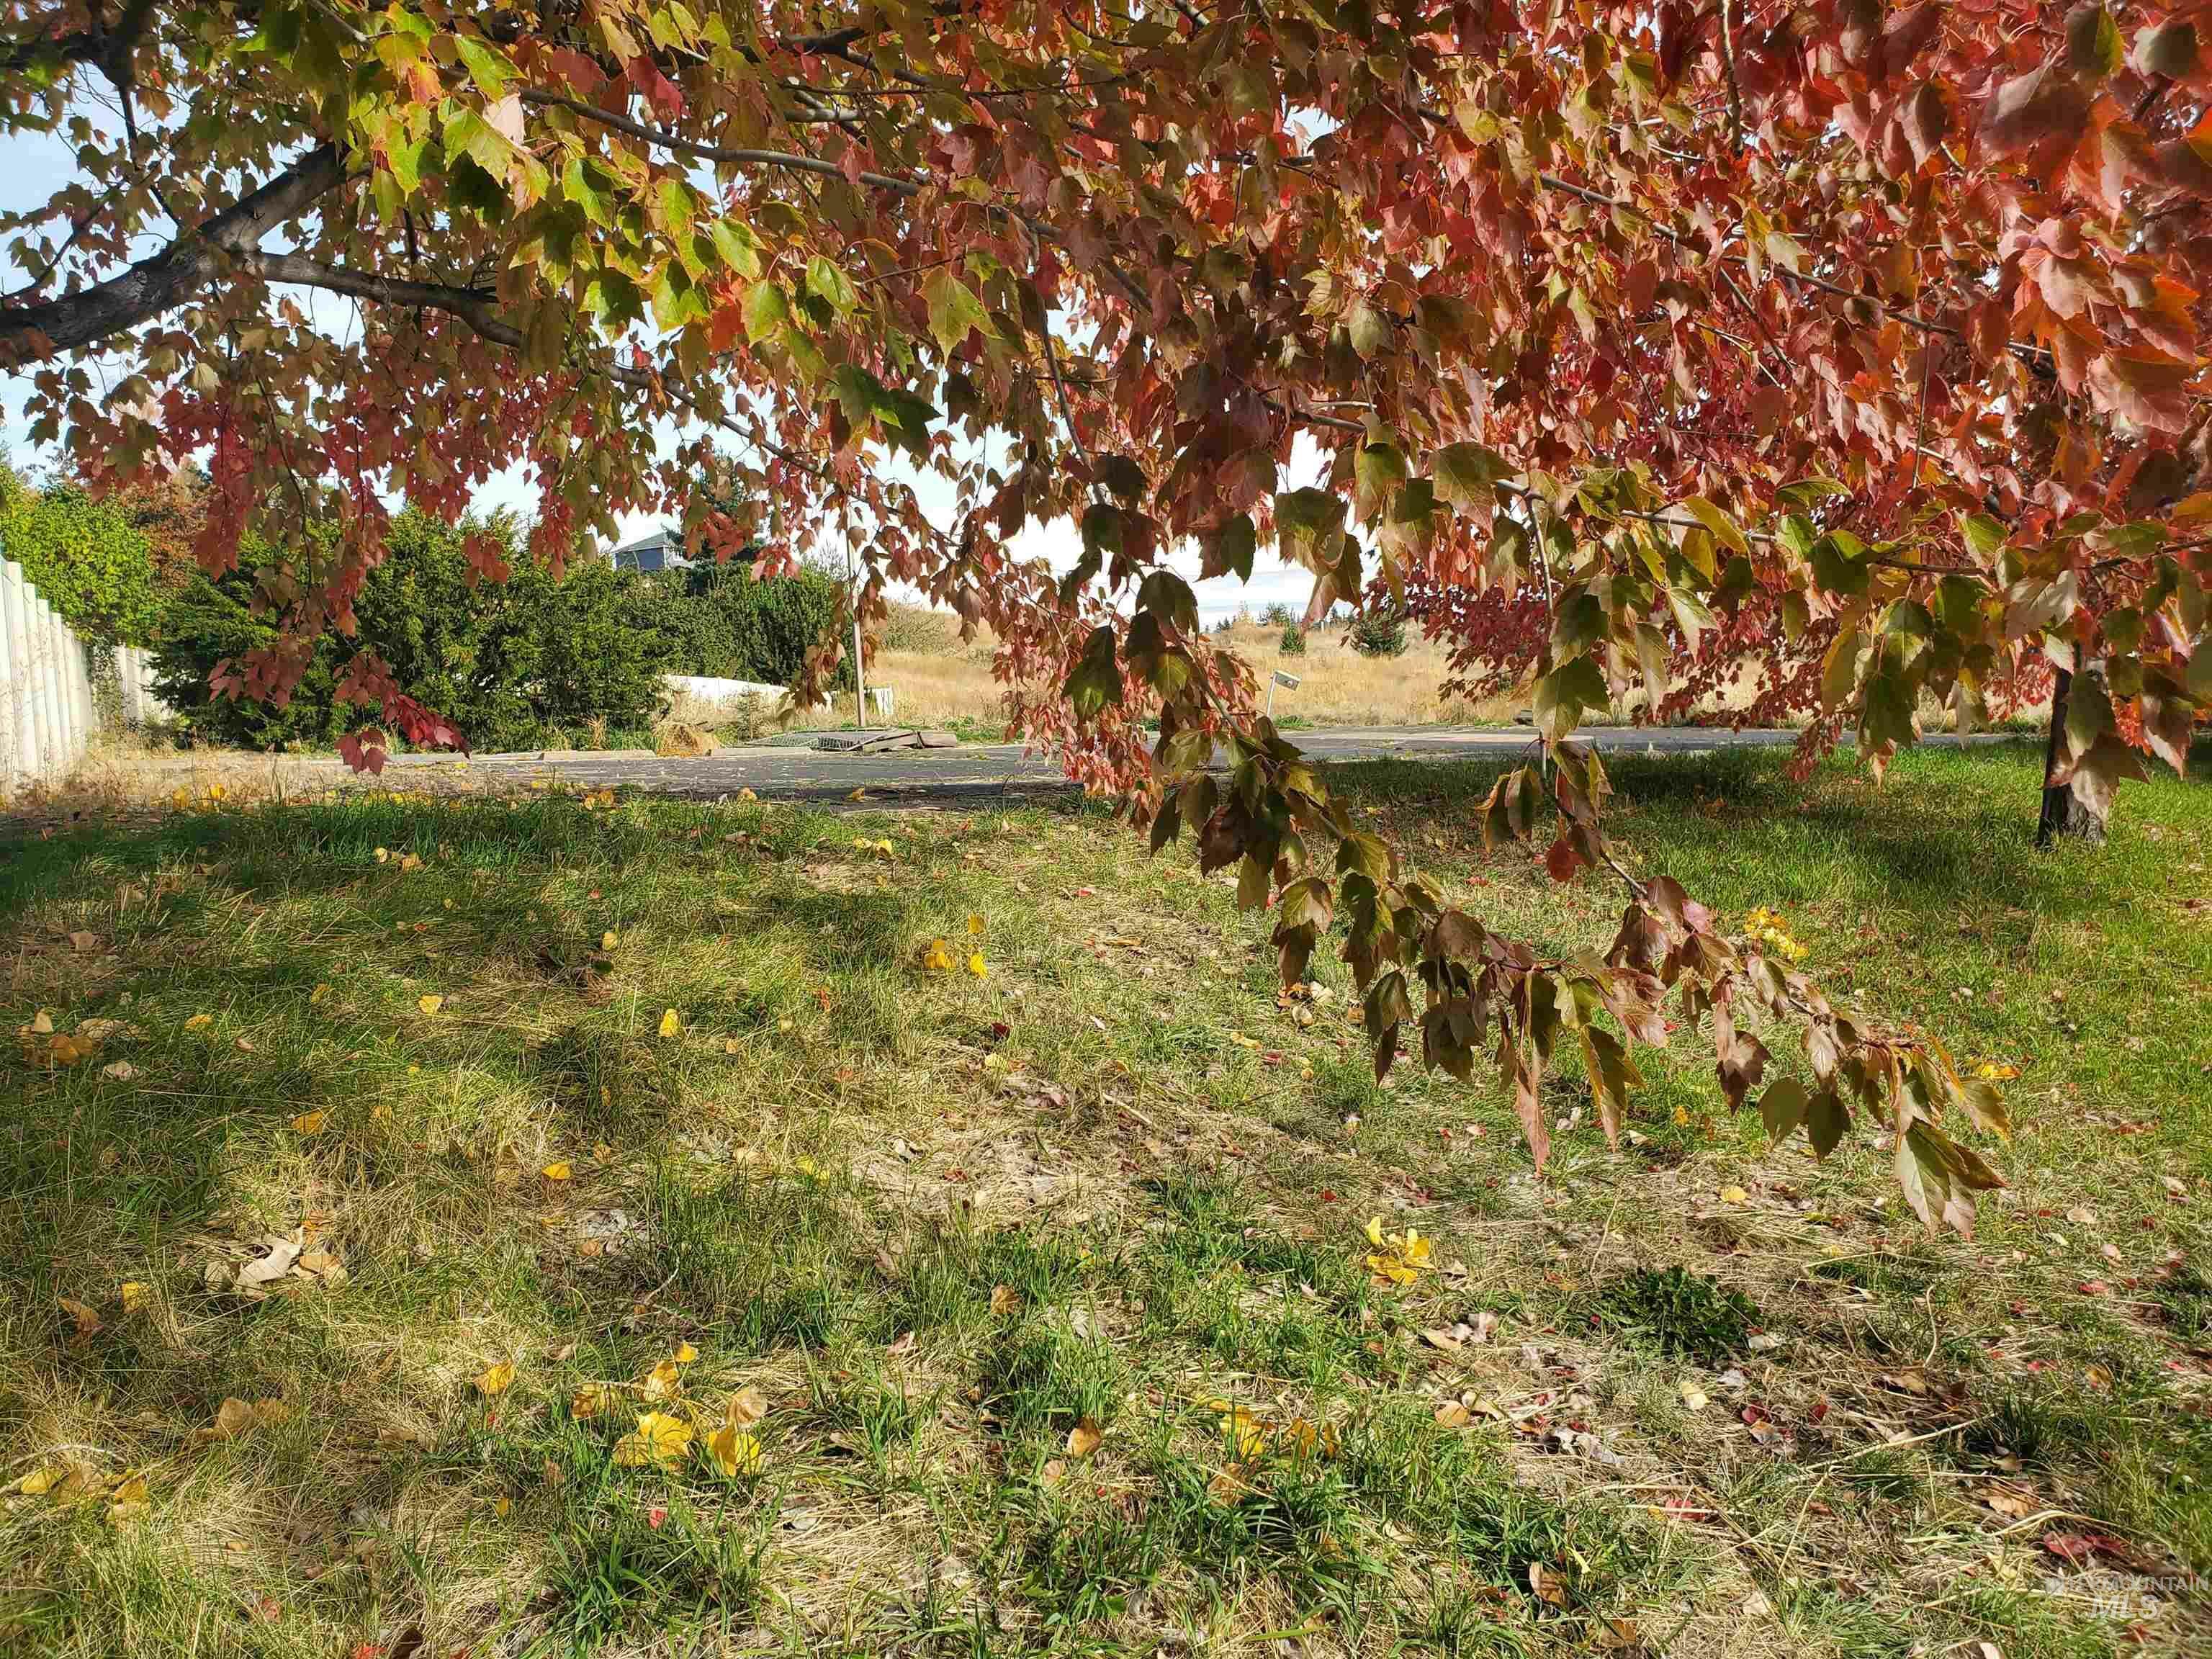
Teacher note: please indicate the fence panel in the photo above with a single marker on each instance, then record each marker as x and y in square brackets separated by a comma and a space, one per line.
[49, 707]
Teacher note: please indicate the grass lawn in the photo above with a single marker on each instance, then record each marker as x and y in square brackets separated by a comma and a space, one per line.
[1031, 1312]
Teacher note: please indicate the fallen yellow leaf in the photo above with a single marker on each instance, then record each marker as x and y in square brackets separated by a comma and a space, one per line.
[88, 1319]
[747, 794]
[1083, 1439]
[672, 1023]
[557, 1172]
[199, 1022]
[659, 1440]
[591, 1400]
[976, 925]
[136, 1294]
[746, 1408]
[663, 1382]
[1734, 1195]
[129, 1501]
[977, 966]
[431, 1005]
[321, 993]
[496, 1379]
[310, 1123]
[685, 1353]
[734, 1451]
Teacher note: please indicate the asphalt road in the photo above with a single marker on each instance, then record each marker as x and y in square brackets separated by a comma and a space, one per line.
[918, 776]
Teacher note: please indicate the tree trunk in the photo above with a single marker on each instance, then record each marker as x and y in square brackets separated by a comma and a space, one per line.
[2064, 813]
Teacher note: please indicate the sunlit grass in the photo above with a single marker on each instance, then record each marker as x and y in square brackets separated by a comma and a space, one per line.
[948, 1227]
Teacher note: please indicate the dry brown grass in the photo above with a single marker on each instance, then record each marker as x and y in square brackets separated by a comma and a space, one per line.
[940, 681]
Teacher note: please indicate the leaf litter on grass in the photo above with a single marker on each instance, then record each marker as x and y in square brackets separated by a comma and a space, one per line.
[1031, 1177]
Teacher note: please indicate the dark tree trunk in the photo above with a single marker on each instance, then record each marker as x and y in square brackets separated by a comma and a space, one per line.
[2064, 812]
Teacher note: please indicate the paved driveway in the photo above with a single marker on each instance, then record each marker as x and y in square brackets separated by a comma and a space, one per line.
[921, 775]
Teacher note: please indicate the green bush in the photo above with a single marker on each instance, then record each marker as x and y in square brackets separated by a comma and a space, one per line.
[515, 664]
[1379, 631]
[526, 664]
[725, 623]
[1293, 642]
[88, 561]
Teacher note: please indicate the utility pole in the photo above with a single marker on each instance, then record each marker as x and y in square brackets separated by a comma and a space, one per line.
[859, 675]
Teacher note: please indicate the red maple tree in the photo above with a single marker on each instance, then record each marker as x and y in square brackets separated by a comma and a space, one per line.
[1641, 343]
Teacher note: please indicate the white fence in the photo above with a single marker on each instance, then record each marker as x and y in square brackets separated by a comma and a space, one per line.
[48, 711]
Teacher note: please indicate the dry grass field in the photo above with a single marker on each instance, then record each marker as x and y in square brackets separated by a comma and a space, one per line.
[939, 681]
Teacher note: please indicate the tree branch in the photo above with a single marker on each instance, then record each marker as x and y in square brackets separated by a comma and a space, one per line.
[109, 48]
[43, 328]
[706, 152]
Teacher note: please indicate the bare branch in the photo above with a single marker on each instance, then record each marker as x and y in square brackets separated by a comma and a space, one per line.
[41, 329]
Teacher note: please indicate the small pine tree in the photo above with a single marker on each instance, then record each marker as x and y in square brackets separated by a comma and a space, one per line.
[1379, 631]
[1293, 642]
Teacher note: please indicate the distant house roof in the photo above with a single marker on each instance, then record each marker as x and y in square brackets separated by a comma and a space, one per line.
[663, 549]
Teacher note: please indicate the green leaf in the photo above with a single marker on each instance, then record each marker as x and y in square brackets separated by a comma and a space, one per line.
[487, 66]
[1886, 712]
[1369, 328]
[1307, 524]
[736, 244]
[1651, 656]
[1810, 492]
[906, 416]
[1152, 659]
[1167, 596]
[1101, 529]
[1096, 680]
[1465, 472]
[2199, 682]
[1835, 568]
[2169, 49]
[2092, 42]
[1230, 549]
[579, 186]
[676, 205]
[1826, 1122]
[468, 134]
[1986, 537]
[1840, 671]
[1782, 1107]
[1692, 615]
[1724, 530]
[954, 310]
[1564, 696]
[1122, 477]
[830, 283]
[1578, 623]
[1377, 468]
[766, 309]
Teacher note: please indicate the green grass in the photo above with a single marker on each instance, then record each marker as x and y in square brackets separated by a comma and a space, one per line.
[946, 1228]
